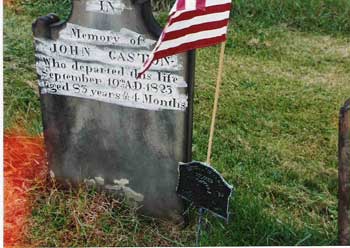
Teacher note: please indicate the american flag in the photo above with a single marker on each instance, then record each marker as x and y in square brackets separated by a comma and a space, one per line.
[192, 24]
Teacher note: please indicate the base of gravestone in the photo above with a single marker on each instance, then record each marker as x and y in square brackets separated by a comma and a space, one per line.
[181, 220]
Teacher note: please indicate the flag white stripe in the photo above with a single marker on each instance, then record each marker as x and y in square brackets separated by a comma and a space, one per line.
[209, 3]
[191, 38]
[191, 4]
[198, 20]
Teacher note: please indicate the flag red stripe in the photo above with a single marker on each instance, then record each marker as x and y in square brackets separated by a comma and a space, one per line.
[200, 4]
[206, 31]
[181, 5]
[194, 29]
[189, 46]
[194, 13]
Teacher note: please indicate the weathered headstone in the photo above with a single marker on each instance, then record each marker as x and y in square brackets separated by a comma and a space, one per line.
[343, 175]
[104, 126]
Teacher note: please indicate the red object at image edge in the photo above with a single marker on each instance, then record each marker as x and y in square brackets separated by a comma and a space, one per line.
[24, 166]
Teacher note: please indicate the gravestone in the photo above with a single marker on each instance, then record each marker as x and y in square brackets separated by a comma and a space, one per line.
[102, 125]
[343, 175]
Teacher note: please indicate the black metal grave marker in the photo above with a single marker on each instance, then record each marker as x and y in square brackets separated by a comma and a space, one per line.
[203, 186]
[206, 189]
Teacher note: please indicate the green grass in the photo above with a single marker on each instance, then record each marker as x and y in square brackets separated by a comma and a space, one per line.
[83, 217]
[307, 15]
[287, 73]
[22, 106]
[277, 133]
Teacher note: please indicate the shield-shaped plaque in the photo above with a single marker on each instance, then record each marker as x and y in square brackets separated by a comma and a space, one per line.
[204, 187]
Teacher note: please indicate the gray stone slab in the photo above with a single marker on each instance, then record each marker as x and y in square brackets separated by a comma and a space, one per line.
[101, 124]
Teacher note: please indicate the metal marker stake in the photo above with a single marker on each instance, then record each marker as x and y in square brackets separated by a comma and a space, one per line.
[201, 212]
[212, 127]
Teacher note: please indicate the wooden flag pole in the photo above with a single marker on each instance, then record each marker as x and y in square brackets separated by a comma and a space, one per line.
[217, 94]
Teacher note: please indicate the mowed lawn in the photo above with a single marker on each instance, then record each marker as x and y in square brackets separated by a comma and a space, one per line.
[276, 141]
